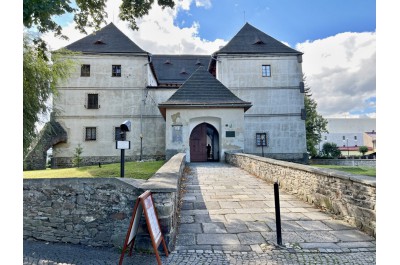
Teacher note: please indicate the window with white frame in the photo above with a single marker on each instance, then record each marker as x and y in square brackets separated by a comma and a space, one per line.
[266, 70]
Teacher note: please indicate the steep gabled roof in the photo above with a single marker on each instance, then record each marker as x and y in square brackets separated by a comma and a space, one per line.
[252, 40]
[203, 90]
[176, 69]
[107, 40]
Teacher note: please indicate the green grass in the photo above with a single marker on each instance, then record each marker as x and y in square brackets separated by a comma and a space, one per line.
[366, 171]
[136, 170]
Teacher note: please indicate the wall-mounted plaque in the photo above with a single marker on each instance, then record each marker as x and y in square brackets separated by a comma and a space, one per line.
[230, 133]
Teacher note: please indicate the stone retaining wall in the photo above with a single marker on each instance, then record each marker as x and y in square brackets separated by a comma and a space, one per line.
[97, 211]
[349, 196]
[345, 162]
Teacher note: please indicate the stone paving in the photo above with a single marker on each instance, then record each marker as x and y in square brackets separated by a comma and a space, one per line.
[227, 217]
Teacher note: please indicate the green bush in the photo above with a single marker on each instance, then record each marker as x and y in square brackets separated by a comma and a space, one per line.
[330, 150]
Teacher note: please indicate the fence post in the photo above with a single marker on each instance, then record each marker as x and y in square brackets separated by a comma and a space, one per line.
[277, 214]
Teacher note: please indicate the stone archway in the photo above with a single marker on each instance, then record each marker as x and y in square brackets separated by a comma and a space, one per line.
[52, 134]
[202, 135]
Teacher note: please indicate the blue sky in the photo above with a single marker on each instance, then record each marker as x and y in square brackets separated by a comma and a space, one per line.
[338, 39]
[292, 21]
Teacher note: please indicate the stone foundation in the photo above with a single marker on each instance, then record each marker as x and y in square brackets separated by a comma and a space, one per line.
[352, 197]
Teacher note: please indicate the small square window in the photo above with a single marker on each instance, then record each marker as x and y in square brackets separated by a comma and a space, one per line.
[266, 70]
[116, 70]
[85, 70]
[90, 134]
[93, 101]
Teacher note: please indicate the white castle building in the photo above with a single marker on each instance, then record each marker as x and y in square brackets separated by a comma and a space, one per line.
[247, 97]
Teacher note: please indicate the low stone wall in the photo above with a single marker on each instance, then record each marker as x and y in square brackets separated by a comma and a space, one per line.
[349, 196]
[97, 211]
[345, 162]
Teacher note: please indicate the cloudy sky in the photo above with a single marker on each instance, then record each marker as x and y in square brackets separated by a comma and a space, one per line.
[338, 39]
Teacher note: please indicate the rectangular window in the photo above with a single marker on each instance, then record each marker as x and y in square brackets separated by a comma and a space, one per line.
[118, 134]
[326, 138]
[85, 70]
[344, 138]
[90, 134]
[355, 137]
[116, 70]
[266, 70]
[93, 101]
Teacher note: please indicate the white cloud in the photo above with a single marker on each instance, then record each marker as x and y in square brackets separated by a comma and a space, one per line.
[203, 3]
[341, 71]
[157, 32]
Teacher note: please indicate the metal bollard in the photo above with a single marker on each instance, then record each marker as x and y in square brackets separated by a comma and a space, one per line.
[277, 214]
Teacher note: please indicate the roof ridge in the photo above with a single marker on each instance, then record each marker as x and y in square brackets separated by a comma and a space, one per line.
[111, 38]
[247, 38]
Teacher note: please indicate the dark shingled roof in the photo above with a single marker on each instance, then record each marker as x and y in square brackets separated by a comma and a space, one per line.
[203, 90]
[251, 40]
[107, 40]
[174, 70]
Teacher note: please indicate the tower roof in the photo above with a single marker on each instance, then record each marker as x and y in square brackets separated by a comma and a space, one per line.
[203, 90]
[107, 40]
[252, 40]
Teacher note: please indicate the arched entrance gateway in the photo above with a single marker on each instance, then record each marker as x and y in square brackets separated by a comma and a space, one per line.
[204, 143]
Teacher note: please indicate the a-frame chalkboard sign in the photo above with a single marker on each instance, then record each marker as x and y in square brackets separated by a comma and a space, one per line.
[144, 203]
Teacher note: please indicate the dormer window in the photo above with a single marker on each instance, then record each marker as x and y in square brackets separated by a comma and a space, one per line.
[183, 71]
[167, 62]
[257, 40]
[198, 62]
[100, 41]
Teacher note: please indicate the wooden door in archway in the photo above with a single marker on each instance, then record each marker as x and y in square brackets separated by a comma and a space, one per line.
[198, 143]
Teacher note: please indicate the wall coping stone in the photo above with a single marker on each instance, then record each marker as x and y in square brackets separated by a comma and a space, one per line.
[166, 179]
[370, 181]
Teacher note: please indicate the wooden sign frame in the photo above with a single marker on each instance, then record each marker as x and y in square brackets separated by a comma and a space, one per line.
[144, 203]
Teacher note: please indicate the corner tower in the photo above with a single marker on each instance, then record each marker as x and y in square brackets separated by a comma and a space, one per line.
[264, 71]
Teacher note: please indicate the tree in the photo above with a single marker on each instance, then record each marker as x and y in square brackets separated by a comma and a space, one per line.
[330, 150]
[87, 13]
[363, 149]
[77, 159]
[315, 123]
[40, 77]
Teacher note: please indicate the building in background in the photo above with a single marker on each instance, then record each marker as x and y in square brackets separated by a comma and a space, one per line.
[351, 133]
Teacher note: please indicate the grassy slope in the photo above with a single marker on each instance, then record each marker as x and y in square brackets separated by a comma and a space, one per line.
[366, 171]
[137, 170]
